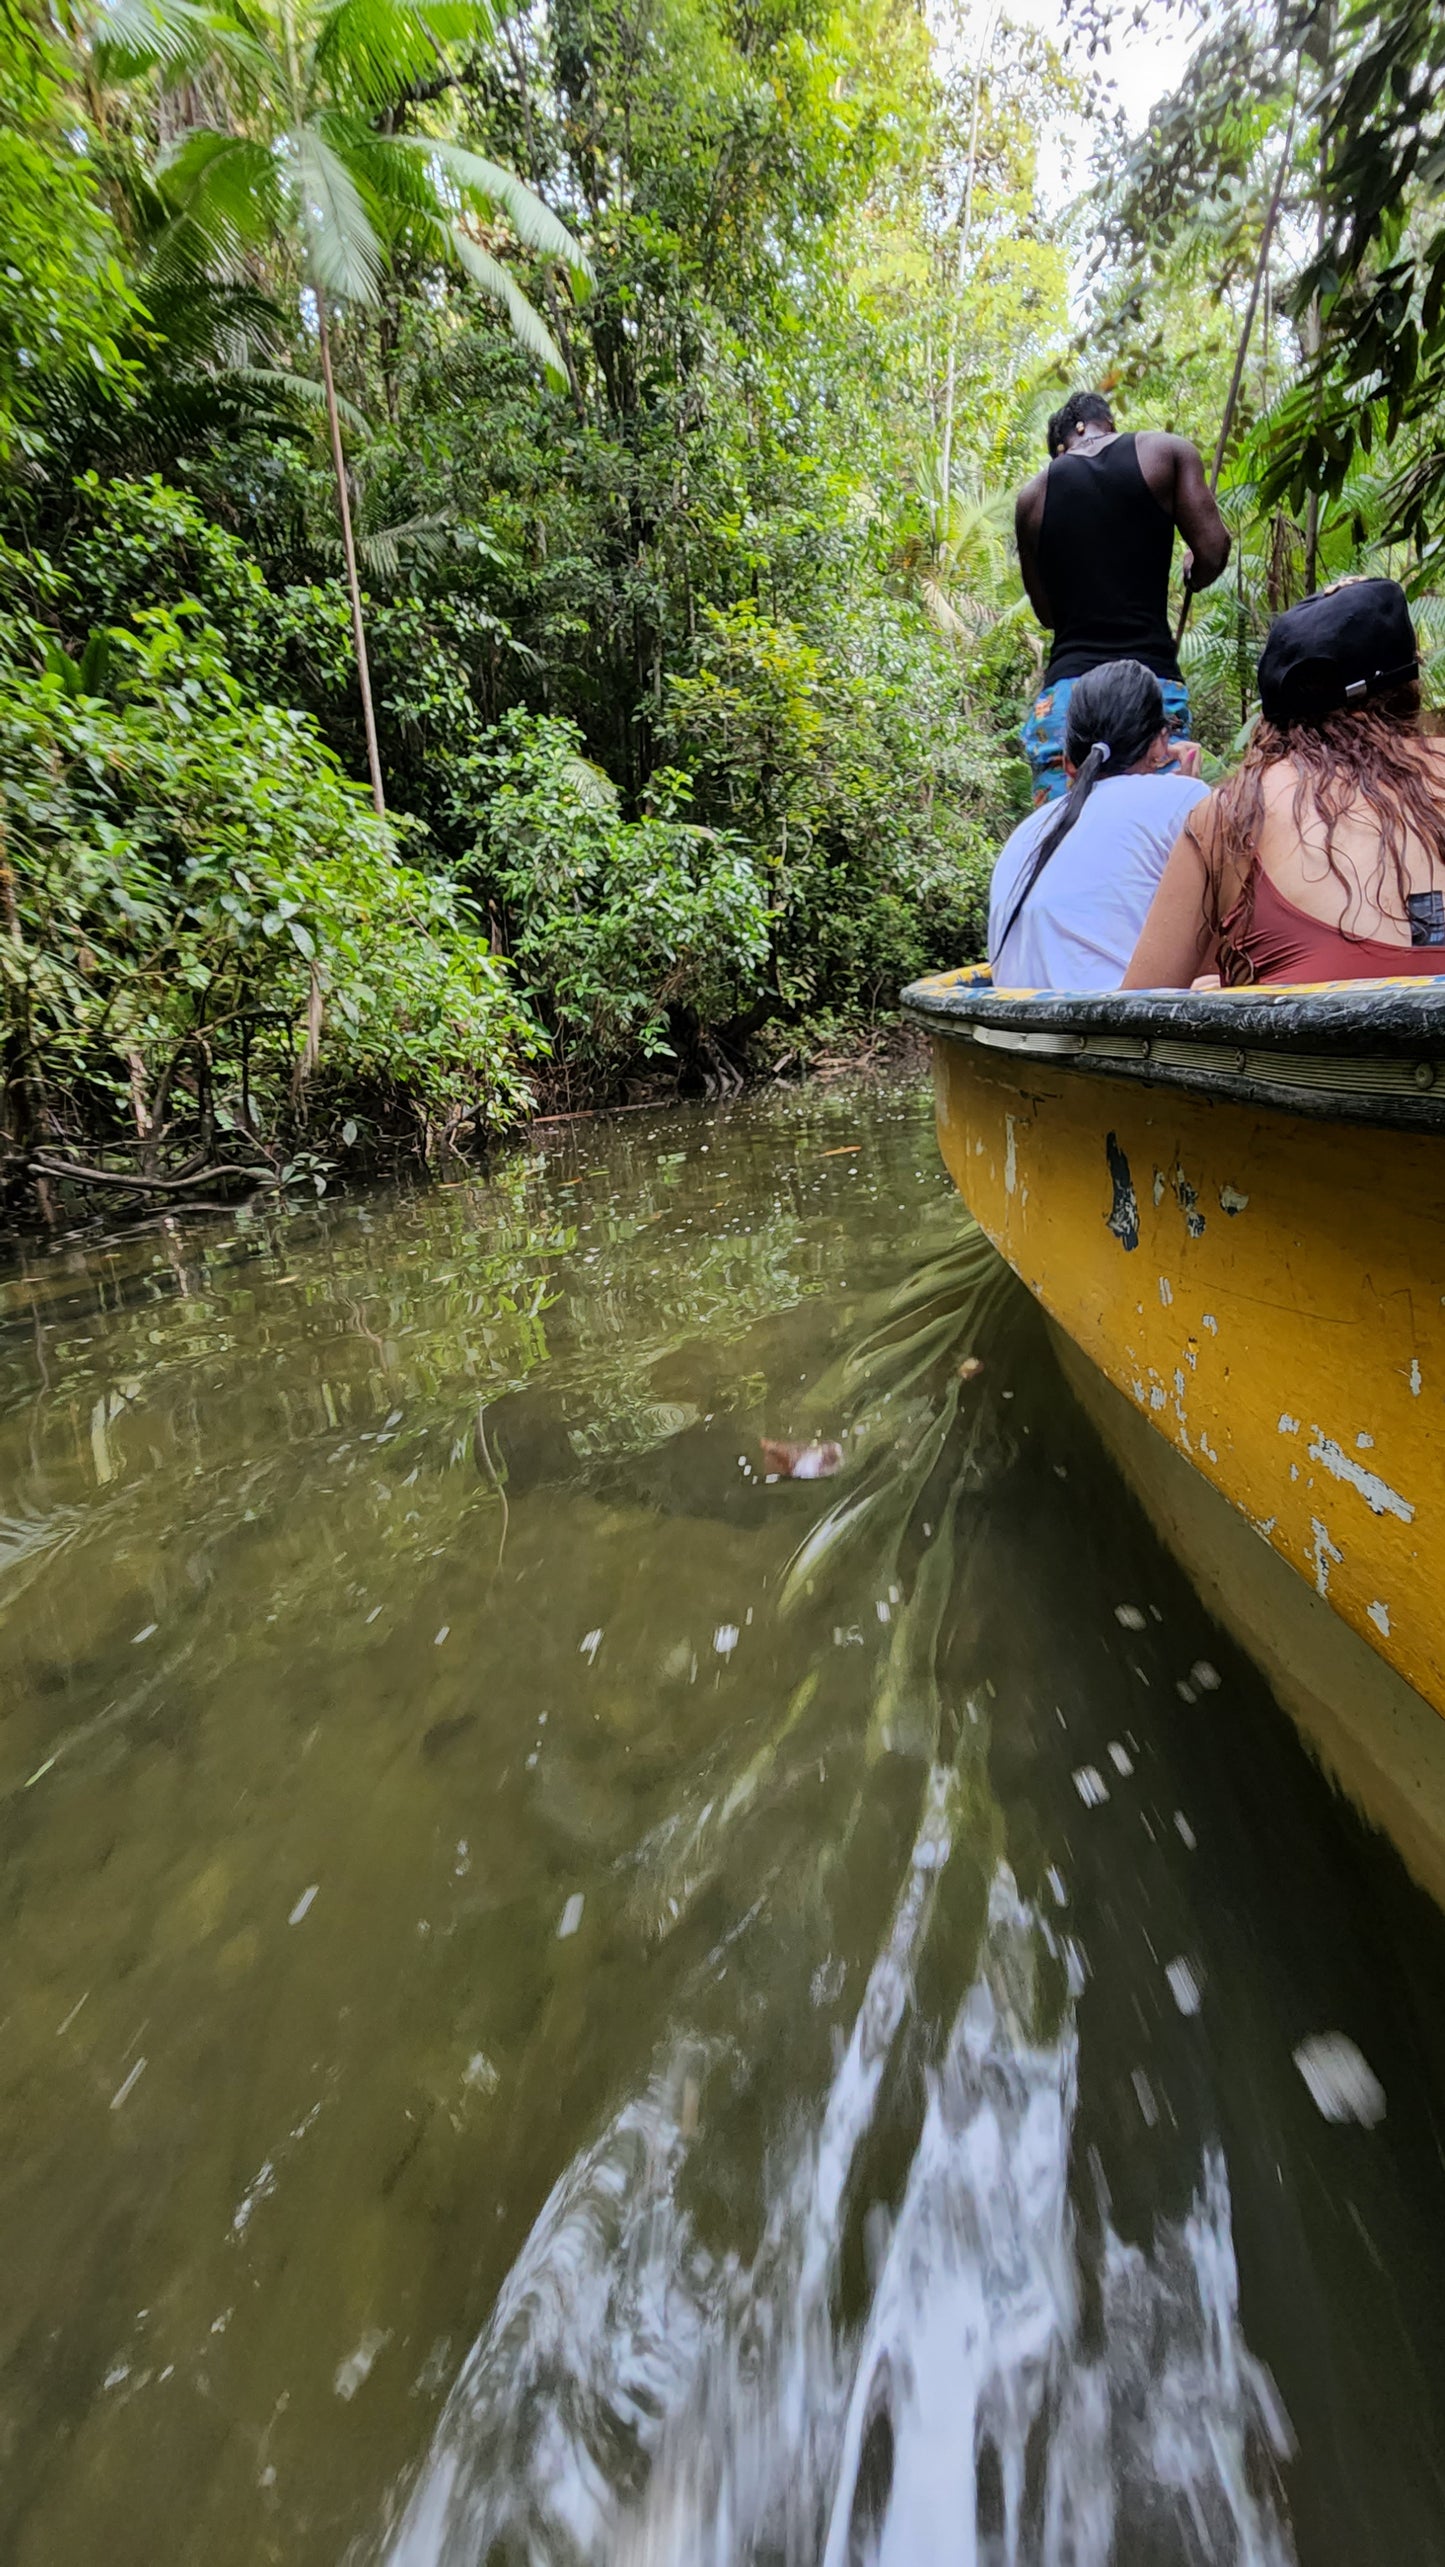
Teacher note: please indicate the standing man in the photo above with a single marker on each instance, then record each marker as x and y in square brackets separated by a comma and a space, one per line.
[1095, 533]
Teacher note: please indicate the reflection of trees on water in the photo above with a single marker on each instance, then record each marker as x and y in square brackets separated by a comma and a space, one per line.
[400, 1365]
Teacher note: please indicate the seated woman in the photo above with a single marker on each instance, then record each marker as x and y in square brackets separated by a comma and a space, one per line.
[1073, 884]
[1324, 857]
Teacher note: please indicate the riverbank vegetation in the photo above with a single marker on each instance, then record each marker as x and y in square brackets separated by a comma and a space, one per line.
[505, 588]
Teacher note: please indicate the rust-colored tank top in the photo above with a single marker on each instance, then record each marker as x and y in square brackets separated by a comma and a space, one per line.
[1265, 937]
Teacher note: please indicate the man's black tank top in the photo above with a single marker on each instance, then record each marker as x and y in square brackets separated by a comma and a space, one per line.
[1103, 556]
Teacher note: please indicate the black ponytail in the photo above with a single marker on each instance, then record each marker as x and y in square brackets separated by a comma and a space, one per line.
[1115, 713]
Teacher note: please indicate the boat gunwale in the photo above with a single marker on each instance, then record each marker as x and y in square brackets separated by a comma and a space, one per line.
[1354, 1051]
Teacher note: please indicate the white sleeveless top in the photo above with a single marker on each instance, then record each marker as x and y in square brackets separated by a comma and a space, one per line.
[1080, 924]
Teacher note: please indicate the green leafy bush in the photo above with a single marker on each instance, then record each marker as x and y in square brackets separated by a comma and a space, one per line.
[852, 773]
[133, 544]
[207, 931]
[633, 934]
[137, 544]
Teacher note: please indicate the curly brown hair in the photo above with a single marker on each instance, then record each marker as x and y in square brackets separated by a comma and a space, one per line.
[1367, 754]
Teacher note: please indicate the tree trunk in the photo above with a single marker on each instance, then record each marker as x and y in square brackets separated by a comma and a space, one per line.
[1313, 336]
[348, 546]
[1323, 53]
[965, 233]
[20, 1075]
[1261, 272]
[550, 297]
[388, 334]
[1260, 283]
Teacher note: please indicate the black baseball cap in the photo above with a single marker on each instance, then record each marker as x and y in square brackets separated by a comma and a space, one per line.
[1337, 648]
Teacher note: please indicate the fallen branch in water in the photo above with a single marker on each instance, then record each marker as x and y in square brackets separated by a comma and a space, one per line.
[133, 1184]
[590, 1113]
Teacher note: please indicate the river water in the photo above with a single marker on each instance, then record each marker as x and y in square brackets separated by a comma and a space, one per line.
[568, 1998]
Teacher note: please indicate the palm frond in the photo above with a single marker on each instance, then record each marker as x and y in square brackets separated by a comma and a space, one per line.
[1208, 655]
[591, 783]
[377, 50]
[941, 608]
[225, 198]
[401, 188]
[173, 415]
[130, 37]
[343, 254]
[249, 41]
[951, 555]
[305, 389]
[205, 320]
[528, 327]
[381, 550]
[1428, 610]
[461, 22]
[535, 224]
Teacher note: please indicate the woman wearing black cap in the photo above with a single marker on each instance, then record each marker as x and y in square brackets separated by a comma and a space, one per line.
[1324, 857]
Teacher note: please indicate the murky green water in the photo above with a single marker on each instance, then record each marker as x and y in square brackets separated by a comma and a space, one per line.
[563, 2000]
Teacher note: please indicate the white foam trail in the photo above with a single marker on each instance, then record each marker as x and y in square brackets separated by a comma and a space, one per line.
[637, 2401]
[975, 2305]
[593, 2340]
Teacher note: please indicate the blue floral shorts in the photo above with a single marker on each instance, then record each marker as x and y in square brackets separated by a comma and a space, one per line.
[1043, 732]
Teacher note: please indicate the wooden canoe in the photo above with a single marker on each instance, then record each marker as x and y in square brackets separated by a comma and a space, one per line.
[1233, 1206]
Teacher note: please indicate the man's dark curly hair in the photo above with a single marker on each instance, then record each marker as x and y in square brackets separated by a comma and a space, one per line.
[1081, 410]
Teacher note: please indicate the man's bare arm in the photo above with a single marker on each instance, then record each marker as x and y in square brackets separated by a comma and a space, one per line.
[1028, 520]
[1197, 517]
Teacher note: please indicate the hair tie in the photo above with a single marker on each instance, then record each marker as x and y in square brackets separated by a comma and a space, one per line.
[1105, 752]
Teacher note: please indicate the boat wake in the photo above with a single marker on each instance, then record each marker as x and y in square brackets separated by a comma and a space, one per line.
[926, 2357]
[639, 2399]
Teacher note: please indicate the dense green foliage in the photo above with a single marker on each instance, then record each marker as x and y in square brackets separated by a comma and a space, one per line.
[64, 292]
[674, 361]
[194, 895]
[630, 927]
[684, 766]
[1333, 465]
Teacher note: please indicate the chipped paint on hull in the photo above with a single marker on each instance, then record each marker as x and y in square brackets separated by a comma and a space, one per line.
[1188, 1200]
[1122, 1216]
[1322, 1555]
[1379, 1497]
[1322, 1305]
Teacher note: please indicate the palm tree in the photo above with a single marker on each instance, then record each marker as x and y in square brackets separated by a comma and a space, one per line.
[951, 554]
[285, 148]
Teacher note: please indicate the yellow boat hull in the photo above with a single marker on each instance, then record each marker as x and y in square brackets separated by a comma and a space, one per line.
[1378, 1738]
[1233, 1209]
[1265, 1290]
